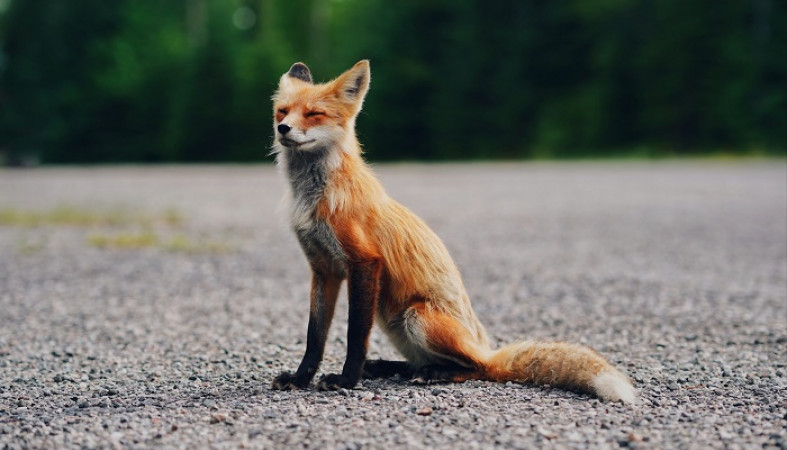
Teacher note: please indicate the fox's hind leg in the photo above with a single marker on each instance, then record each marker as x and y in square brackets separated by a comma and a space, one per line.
[432, 373]
[381, 368]
[449, 351]
[444, 373]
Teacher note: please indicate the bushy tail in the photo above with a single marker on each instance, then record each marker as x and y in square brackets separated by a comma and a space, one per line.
[561, 364]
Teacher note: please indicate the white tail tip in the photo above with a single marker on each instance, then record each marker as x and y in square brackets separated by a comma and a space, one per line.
[613, 386]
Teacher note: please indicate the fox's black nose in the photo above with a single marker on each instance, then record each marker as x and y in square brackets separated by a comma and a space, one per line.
[283, 129]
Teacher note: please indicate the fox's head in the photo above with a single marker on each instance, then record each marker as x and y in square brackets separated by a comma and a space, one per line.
[309, 116]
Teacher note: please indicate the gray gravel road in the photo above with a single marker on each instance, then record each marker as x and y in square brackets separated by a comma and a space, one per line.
[151, 307]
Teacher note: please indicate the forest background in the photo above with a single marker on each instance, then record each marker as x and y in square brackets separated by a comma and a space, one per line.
[93, 81]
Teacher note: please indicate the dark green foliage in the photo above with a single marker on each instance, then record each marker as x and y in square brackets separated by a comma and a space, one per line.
[190, 80]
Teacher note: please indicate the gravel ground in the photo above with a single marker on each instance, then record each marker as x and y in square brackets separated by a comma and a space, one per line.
[677, 272]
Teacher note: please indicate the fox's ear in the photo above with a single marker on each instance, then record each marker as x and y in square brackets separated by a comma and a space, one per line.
[301, 72]
[353, 84]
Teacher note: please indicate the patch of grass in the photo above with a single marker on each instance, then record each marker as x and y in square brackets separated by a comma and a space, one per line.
[62, 215]
[141, 240]
[132, 231]
[80, 217]
[184, 244]
[126, 241]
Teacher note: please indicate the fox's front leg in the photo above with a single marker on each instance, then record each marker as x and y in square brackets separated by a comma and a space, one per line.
[363, 285]
[325, 289]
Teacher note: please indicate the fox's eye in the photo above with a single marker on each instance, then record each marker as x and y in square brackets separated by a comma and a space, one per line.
[283, 111]
[314, 113]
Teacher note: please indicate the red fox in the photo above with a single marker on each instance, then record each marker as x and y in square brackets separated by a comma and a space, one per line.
[398, 272]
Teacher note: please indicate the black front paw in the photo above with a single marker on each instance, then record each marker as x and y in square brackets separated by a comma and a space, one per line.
[288, 381]
[334, 382]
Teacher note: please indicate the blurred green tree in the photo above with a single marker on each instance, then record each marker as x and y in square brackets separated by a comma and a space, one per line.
[46, 98]
[190, 80]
